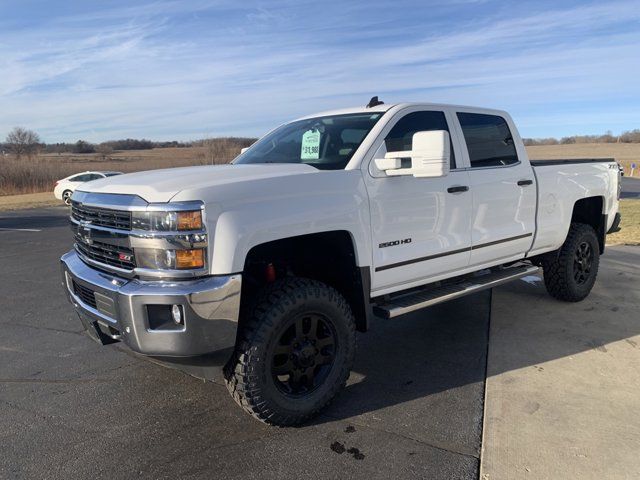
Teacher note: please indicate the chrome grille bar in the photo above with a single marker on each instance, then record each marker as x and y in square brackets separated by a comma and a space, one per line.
[104, 217]
[107, 254]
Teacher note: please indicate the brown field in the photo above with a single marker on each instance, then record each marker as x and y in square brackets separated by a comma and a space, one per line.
[624, 153]
[28, 200]
[41, 173]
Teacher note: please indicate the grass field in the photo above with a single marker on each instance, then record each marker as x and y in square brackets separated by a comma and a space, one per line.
[624, 153]
[28, 200]
[630, 225]
[40, 174]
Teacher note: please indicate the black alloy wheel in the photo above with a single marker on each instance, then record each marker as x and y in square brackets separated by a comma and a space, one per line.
[304, 354]
[582, 263]
[571, 271]
[295, 350]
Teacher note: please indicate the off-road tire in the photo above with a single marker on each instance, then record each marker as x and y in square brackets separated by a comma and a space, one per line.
[560, 267]
[248, 374]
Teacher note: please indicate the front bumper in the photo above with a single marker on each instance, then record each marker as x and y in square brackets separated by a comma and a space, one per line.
[118, 309]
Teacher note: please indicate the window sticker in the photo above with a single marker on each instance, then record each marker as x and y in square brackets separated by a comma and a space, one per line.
[310, 149]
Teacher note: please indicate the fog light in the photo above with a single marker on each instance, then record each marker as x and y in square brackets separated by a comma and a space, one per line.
[176, 313]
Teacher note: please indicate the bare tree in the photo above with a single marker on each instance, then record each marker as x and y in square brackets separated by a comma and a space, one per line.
[222, 150]
[104, 151]
[215, 151]
[23, 142]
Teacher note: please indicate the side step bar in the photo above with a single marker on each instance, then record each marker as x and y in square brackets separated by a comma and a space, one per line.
[425, 298]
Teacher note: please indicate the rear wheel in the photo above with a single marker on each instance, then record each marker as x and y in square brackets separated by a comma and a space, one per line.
[570, 273]
[295, 353]
[66, 197]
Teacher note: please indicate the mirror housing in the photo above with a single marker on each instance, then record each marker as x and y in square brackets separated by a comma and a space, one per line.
[429, 156]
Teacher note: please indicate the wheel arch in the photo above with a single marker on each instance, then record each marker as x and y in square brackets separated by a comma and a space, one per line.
[590, 211]
[328, 256]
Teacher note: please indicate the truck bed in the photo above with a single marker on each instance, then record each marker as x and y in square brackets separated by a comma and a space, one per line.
[564, 161]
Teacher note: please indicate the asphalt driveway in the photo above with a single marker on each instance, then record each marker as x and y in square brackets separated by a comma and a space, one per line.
[561, 394]
[72, 409]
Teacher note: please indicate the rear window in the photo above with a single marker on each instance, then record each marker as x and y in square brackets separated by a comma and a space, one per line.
[489, 141]
[80, 178]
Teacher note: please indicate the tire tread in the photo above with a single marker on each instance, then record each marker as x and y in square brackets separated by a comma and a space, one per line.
[241, 371]
[557, 278]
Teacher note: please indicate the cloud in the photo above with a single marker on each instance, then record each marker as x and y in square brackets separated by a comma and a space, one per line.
[182, 70]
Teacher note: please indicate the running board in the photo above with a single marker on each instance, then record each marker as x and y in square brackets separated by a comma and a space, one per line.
[425, 298]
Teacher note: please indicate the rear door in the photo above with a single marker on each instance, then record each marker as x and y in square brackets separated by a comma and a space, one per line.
[502, 187]
[420, 230]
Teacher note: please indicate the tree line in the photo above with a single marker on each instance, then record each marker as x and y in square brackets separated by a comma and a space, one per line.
[630, 136]
[22, 142]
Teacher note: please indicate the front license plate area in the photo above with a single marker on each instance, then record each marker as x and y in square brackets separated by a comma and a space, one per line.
[95, 331]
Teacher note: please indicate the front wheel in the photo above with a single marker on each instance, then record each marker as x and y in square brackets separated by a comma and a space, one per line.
[295, 353]
[570, 273]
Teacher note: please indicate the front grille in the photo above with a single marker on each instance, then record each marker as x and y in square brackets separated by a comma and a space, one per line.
[85, 294]
[121, 257]
[103, 217]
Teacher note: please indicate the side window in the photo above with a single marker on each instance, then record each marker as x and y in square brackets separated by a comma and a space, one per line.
[488, 140]
[401, 135]
[93, 176]
[79, 178]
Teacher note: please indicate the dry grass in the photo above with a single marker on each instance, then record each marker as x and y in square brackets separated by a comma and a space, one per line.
[41, 173]
[630, 225]
[624, 153]
[30, 200]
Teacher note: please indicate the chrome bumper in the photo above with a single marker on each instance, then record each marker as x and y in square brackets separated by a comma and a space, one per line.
[133, 311]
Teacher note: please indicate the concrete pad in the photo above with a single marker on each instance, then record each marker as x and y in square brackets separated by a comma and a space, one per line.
[563, 380]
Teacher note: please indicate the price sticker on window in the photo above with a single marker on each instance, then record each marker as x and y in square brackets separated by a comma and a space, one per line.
[310, 149]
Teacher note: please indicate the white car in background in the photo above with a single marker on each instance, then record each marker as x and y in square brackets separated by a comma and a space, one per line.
[64, 188]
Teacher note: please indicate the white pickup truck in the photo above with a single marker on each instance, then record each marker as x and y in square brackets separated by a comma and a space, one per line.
[277, 259]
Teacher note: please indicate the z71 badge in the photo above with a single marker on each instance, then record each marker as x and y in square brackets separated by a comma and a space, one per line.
[394, 243]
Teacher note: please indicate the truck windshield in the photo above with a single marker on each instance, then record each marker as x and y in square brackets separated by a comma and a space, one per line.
[327, 143]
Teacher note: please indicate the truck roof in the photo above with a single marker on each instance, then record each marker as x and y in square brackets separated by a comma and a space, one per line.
[387, 106]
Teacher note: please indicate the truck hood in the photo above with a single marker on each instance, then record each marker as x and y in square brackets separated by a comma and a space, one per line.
[163, 185]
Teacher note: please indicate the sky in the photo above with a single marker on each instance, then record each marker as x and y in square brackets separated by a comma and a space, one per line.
[188, 69]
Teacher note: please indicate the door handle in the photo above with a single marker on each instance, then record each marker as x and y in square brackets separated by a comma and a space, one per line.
[458, 189]
[524, 183]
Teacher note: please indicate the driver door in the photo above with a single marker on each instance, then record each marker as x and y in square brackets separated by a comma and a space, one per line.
[421, 227]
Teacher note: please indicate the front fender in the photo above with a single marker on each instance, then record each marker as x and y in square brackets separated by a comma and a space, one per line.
[337, 202]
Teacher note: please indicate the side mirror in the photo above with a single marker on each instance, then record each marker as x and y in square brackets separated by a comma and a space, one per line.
[429, 156]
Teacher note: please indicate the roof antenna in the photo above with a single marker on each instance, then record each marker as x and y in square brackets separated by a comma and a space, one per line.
[374, 102]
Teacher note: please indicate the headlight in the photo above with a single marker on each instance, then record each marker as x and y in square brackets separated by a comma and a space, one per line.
[167, 221]
[169, 259]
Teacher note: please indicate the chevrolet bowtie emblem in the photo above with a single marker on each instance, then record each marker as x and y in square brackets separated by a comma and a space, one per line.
[85, 236]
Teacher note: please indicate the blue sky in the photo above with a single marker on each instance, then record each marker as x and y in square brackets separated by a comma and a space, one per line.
[189, 69]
